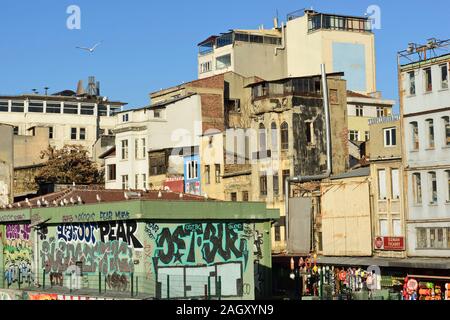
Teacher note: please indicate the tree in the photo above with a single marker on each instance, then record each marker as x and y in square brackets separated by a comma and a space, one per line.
[68, 165]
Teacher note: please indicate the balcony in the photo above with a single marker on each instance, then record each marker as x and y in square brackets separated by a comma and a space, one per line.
[319, 21]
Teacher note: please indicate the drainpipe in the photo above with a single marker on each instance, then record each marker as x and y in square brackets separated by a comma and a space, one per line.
[300, 179]
[283, 39]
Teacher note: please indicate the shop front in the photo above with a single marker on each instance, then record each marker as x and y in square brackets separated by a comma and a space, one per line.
[423, 287]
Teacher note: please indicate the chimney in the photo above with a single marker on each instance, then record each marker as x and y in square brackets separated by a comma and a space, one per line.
[98, 88]
[80, 89]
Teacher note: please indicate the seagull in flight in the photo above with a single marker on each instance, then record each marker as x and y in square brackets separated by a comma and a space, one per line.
[91, 50]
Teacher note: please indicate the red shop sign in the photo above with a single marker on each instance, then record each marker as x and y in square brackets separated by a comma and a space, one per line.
[390, 243]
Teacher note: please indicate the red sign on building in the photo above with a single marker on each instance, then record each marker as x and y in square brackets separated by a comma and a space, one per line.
[390, 243]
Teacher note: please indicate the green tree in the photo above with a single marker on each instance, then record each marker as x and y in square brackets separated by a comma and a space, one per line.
[67, 165]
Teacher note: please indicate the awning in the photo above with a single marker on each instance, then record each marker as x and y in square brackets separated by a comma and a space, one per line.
[412, 263]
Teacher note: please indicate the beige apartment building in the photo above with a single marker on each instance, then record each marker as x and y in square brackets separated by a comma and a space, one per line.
[296, 49]
[6, 165]
[384, 153]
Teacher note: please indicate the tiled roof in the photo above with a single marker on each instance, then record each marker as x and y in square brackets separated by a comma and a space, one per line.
[358, 95]
[77, 196]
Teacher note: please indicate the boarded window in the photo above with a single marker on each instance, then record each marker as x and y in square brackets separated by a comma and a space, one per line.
[284, 136]
[395, 180]
[382, 184]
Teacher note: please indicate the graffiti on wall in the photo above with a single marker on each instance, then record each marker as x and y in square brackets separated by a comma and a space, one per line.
[200, 243]
[18, 255]
[75, 249]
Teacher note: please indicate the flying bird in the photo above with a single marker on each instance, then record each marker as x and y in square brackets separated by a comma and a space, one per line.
[91, 50]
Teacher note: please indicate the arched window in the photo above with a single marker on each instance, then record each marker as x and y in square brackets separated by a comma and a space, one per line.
[262, 137]
[284, 136]
[274, 136]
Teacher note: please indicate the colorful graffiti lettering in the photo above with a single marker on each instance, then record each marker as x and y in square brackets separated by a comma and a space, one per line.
[213, 240]
[42, 296]
[83, 232]
[18, 255]
[109, 257]
[17, 231]
[56, 279]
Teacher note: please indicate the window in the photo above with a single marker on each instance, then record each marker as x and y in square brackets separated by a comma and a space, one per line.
[157, 113]
[397, 227]
[205, 67]
[207, 174]
[144, 148]
[192, 169]
[50, 132]
[417, 188]
[284, 136]
[382, 185]
[384, 232]
[70, 108]
[17, 107]
[217, 173]
[158, 161]
[353, 135]
[415, 135]
[111, 176]
[136, 181]
[380, 112]
[223, 62]
[430, 133]
[309, 132]
[125, 182]
[53, 108]
[73, 133]
[124, 149]
[276, 184]
[359, 111]
[36, 107]
[395, 183]
[277, 233]
[433, 187]
[274, 136]
[448, 185]
[87, 109]
[334, 97]
[262, 137]
[286, 175]
[444, 76]
[102, 110]
[16, 131]
[263, 184]
[4, 105]
[446, 130]
[412, 83]
[428, 80]
[390, 137]
[125, 117]
[144, 180]
[367, 135]
[234, 196]
[82, 133]
[421, 238]
[245, 196]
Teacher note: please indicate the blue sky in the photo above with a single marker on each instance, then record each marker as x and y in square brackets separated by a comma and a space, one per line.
[150, 45]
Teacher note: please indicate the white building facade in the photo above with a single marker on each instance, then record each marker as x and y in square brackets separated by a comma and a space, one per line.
[170, 124]
[425, 114]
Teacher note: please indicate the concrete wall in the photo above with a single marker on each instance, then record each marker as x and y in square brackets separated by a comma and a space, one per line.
[346, 217]
[375, 147]
[27, 149]
[6, 164]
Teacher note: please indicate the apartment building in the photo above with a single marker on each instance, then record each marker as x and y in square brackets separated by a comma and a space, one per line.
[343, 43]
[360, 109]
[384, 153]
[425, 116]
[72, 117]
[150, 143]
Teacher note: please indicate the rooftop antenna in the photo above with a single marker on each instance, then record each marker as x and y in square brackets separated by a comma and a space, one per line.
[46, 90]
[35, 91]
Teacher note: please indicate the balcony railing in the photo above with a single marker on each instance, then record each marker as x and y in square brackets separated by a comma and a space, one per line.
[384, 119]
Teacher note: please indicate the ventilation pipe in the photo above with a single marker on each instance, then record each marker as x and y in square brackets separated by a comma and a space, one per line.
[300, 179]
[283, 39]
